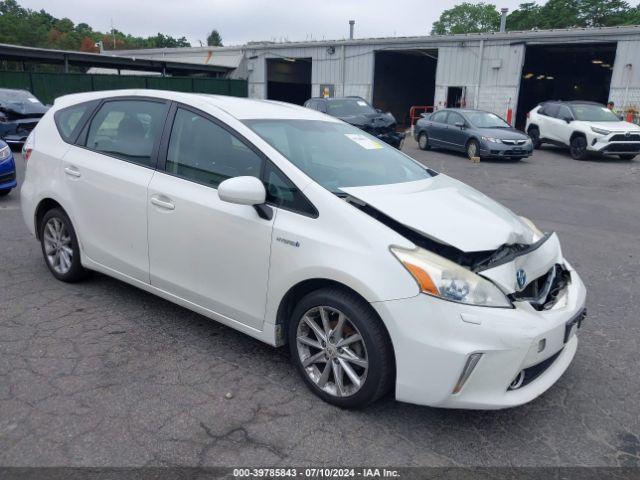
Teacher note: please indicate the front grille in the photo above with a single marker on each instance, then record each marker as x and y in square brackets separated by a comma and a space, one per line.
[7, 177]
[543, 292]
[514, 142]
[534, 371]
[623, 147]
[634, 137]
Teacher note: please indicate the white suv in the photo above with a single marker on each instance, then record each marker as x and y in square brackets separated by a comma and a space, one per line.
[584, 128]
[296, 228]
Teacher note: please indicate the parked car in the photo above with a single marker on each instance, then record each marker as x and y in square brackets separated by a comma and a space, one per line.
[360, 113]
[7, 170]
[584, 128]
[20, 112]
[476, 132]
[294, 227]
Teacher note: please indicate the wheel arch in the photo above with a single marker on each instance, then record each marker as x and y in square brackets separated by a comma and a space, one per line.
[43, 207]
[577, 133]
[304, 287]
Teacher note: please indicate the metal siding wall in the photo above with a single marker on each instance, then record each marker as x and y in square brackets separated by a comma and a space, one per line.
[625, 82]
[457, 67]
[499, 87]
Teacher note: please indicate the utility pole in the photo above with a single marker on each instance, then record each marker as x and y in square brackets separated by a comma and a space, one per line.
[113, 34]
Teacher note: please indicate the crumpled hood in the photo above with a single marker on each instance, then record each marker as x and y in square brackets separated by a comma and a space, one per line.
[371, 120]
[447, 211]
[16, 110]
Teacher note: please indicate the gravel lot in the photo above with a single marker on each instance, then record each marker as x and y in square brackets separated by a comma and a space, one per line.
[103, 374]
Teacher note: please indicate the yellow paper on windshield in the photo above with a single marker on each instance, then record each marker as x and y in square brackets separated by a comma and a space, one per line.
[364, 142]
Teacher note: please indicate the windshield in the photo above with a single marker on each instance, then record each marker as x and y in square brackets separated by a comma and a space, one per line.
[337, 155]
[486, 120]
[18, 96]
[348, 107]
[593, 113]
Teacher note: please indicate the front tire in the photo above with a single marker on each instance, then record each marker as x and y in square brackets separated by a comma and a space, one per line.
[627, 157]
[578, 147]
[423, 141]
[341, 348]
[60, 246]
[534, 135]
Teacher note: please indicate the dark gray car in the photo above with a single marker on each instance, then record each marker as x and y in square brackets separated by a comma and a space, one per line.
[476, 132]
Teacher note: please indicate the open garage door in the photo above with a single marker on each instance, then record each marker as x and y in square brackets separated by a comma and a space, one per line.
[403, 78]
[565, 72]
[289, 79]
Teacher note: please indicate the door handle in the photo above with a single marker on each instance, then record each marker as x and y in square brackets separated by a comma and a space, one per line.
[72, 172]
[166, 204]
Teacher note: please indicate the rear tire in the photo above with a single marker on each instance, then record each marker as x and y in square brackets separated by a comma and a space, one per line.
[423, 141]
[534, 135]
[350, 375]
[473, 149]
[627, 157]
[60, 246]
[578, 147]
[5, 192]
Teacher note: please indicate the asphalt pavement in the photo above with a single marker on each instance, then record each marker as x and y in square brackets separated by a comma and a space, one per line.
[103, 374]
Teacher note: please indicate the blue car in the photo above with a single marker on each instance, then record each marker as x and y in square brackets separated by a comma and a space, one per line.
[475, 132]
[7, 170]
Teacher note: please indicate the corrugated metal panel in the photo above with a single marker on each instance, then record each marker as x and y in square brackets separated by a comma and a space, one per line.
[625, 80]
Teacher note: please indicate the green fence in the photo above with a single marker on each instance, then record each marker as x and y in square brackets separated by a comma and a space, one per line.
[48, 86]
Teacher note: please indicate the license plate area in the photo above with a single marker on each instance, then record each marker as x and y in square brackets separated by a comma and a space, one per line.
[574, 324]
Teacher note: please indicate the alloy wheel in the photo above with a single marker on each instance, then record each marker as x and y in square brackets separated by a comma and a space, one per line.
[58, 246]
[332, 351]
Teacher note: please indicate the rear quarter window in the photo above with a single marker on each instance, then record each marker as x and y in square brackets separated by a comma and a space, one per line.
[70, 120]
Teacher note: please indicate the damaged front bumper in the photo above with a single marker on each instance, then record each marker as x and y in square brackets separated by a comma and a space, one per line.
[435, 339]
[393, 138]
[455, 355]
[15, 132]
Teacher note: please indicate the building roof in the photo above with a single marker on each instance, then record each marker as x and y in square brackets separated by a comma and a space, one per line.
[461, 38]
[31, 54]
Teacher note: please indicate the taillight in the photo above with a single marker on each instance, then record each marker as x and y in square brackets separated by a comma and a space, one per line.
[27, 148]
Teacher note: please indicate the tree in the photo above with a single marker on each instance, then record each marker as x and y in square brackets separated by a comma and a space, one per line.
[214, 39]
[526, 17]
[467, 18]
[22, 26]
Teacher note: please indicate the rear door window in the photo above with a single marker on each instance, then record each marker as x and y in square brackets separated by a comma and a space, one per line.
[439, 117]
[551, 110]
[128, 129]
[454, 118]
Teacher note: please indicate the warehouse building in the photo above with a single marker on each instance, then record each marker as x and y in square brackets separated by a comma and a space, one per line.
[499, 72]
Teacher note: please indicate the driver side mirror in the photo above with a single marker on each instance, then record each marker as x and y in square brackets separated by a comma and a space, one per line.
[378, 110]
[461, 125]
[567, 119]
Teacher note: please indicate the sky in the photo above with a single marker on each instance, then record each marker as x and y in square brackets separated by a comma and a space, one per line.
[239, 21]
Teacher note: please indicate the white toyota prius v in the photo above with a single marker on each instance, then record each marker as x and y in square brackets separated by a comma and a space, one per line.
[296, 228]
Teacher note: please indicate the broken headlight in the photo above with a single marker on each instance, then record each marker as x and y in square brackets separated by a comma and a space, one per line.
[442, 278]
